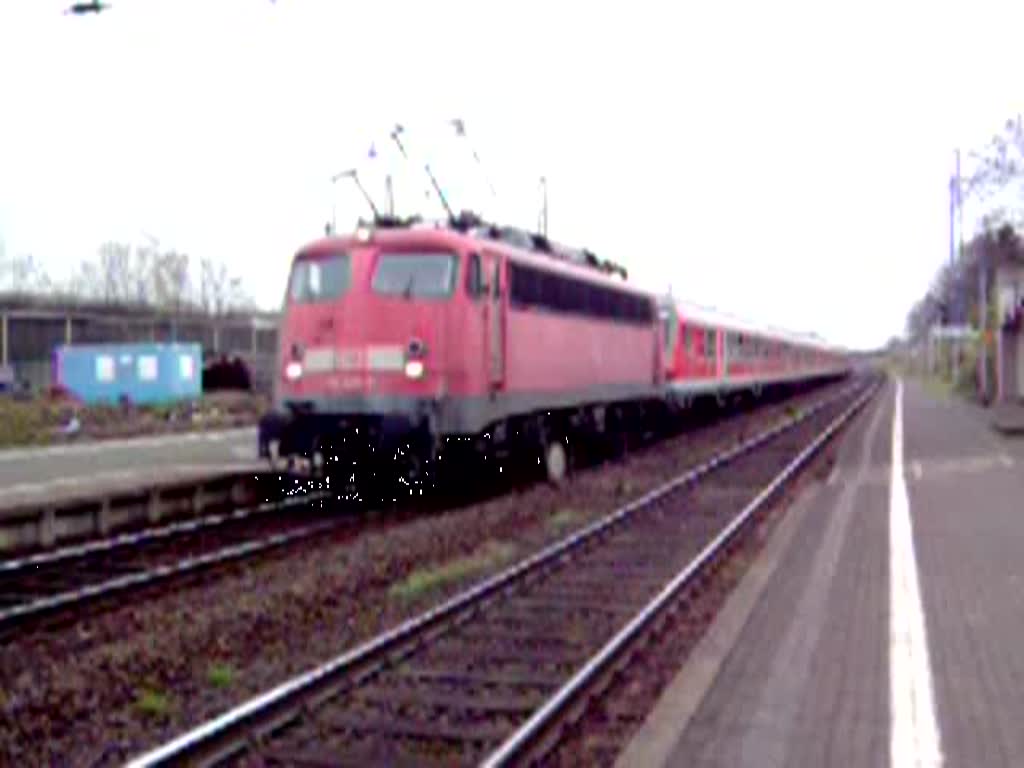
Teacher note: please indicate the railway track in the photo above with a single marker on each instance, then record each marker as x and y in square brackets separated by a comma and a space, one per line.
[41, 585]
[492, 675]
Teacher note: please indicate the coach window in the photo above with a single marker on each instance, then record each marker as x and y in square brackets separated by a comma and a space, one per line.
[709, 344]
[648, 313]
[627, 307]
[620, 305]
[577, 297]
[604, 303]
[550, 287]
[522, 286]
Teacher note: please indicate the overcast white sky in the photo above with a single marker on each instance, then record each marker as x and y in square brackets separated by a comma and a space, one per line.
[783, 161]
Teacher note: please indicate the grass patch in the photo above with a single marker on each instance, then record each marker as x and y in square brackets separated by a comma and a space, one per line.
[38, 419]
[153, 703]
[428, 579]
[564, 518]
[25, 423]
[220, 675]
[625, 487]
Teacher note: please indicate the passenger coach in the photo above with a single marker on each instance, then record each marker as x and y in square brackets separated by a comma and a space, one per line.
[707, 352]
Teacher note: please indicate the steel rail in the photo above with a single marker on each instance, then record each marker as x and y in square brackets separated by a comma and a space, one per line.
[144, 577]
[22, 611]
[134, 538]
[539, 723]
[230, 732]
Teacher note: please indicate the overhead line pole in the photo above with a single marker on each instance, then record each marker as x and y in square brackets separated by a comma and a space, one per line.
[958, 300]
[544, 206]
[957, 195]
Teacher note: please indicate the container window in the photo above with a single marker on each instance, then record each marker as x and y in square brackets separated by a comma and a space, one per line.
[415, 275]
[105, 368]
[147, 368]
[320, 279]
[186, 366]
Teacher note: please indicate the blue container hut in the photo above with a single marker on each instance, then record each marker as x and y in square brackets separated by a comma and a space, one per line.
[141, 373]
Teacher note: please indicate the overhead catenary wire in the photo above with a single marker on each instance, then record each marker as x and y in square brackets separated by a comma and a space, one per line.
[396, 134]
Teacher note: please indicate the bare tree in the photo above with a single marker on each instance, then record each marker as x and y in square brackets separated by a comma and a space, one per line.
[87, 283]
[143, 264]
[23, 274]
[170, 276]
[115, 270]
[997, 181]
[1000, 165]
[216, 288]
[145, 275]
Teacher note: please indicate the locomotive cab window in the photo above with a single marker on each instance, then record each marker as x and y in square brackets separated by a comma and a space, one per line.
[319, 279]
[415, 275]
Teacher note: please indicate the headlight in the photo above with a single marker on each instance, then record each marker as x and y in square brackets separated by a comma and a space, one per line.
[414, 369]
[293, 371]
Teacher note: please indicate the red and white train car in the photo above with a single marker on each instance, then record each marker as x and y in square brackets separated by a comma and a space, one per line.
[404, 341]
[707, 352]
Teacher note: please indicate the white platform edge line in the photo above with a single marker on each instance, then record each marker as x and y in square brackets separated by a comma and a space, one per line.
[915, 739]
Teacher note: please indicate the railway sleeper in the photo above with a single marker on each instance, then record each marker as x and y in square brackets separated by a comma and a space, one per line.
[477, 702]
[310, 757]
[413, 728]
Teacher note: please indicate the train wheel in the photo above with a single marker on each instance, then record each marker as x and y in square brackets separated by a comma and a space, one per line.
[556, 461]
[318, 459]
[617, 435]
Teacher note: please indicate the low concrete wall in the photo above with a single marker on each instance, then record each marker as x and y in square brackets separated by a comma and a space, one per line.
[46, 523]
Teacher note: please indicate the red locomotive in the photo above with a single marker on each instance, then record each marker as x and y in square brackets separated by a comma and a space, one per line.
[406, 346]
[403, 341]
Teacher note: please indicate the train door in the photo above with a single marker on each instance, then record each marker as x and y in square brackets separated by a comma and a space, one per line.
[721, 355]
[669, 335]
[495, 321]
[709, 359]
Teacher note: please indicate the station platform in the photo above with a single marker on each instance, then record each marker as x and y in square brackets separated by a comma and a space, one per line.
[883, 623]
[53, 470]
[1008, 418]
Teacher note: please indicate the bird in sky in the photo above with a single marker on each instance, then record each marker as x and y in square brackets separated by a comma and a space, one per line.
[85, 7]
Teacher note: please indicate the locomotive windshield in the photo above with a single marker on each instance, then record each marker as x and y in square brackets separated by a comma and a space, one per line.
[420, 275]
[320, 279]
